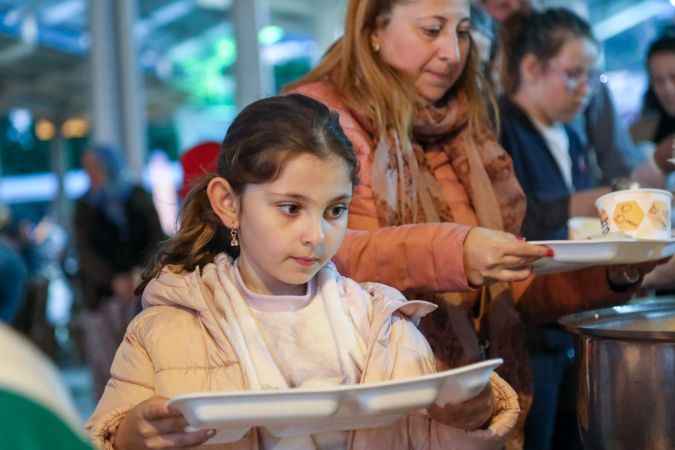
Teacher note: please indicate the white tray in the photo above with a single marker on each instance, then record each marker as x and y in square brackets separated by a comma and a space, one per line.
[574, 255]
[297, 412]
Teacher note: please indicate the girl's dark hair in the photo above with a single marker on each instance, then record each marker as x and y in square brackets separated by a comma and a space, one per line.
[262, 138]
[540, 33]
[663, 44]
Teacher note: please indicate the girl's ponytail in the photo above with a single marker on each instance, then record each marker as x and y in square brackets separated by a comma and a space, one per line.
[200, 237]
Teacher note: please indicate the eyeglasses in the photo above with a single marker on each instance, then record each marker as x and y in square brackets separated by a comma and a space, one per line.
[575, 78]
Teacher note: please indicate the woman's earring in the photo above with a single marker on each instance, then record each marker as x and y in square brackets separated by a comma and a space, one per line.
[234, 237]
[376, 47]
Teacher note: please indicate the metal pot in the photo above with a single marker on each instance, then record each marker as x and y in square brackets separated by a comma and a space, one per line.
[626, 376]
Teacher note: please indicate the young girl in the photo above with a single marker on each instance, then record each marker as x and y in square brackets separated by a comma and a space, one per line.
[245, 297]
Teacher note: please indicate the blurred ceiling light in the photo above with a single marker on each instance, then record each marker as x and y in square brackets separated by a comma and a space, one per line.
[226, 51]
[215, 4]
[21, 119]
[629, 17]
[162, 17]
[75, 128]
[29, 29]
[45, 130]
[62, 11]
[672, 2]
[13, 17]
[270, 35]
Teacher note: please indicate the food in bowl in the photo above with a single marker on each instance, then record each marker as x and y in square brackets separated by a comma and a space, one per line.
[639, 213]
[582, 228]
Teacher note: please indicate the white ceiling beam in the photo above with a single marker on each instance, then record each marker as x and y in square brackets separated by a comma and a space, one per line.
[630, 17]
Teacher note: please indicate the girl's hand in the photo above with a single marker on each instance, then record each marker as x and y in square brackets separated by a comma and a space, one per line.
[491, 255]
[469, 415]
[153, 424]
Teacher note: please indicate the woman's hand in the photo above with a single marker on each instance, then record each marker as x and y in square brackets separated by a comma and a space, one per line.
[153, 424]
[625, 277]
[469, 415]
[491, 255]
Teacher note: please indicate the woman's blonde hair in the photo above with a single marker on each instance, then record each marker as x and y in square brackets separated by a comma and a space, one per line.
[377, 90]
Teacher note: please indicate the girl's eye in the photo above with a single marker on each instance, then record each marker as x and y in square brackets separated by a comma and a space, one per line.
[336, 212]
[432, 32]
[290, 209]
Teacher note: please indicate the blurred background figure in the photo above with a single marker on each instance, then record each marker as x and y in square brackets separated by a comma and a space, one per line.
[655, 130]
[612, 155]
[546, 77]
[500, 10]
[656, 124]
[13, 271]
[116, 227]
[196, 162]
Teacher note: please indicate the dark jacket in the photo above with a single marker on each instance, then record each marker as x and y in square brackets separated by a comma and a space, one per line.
[104, 250]
[548, 196]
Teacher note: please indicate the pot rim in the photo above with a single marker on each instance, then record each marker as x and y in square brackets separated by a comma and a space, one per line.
[585, 323]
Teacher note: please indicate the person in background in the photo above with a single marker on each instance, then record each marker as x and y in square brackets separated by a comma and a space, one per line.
[406, 81]
[13, 272]
[547, 59]
[245, 297]
[116, 229]
[655, 128]
[547, 79]
[656, 125]
[613, 157]
[196, 162]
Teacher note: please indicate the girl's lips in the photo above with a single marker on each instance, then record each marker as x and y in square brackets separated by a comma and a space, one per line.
[306, 261]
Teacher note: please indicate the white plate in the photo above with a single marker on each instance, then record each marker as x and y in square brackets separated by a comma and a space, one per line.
[297, 412]
[574, 255]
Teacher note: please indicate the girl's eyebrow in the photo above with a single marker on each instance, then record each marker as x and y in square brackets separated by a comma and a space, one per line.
[301, 197]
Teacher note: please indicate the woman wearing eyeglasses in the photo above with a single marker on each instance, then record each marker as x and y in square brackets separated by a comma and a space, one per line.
[546, 75]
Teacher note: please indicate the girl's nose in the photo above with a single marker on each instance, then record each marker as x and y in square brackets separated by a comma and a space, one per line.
[314, 232]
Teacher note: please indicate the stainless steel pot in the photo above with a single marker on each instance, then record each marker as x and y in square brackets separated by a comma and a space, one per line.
[626, 375]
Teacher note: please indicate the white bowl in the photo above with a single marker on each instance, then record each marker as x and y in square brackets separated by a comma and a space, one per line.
[639, 213]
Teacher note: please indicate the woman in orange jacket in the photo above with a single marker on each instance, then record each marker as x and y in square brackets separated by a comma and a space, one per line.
[437, 188]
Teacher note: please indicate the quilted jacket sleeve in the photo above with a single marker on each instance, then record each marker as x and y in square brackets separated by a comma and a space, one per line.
[131, 382]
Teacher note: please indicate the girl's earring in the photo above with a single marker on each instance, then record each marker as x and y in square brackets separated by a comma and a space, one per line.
[234, 237]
